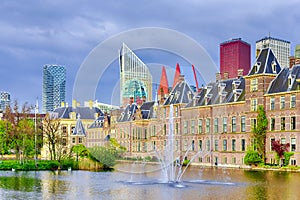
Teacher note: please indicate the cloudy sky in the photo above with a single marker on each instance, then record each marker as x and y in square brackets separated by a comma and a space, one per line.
[34, 33]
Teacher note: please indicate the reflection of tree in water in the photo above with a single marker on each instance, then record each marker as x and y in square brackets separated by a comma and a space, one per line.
[56, 186]
[20, 182]
[259, 189]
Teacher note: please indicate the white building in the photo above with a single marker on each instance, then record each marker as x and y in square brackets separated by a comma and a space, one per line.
[281, 49]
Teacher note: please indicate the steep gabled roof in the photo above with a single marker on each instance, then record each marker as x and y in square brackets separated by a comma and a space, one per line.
[181, 93]
[286, 80]
[98, 123]
[84, 112]
[79, 129]
[266, 63]
[224, 91]
[128, 113]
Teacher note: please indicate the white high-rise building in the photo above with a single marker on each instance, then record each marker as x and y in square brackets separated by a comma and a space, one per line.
[136, 79]
[281, 49]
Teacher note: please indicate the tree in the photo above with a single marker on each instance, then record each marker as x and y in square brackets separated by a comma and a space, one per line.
[51, 135]
[259, 132]
[79, 150]
[19, 129]
[282, 151]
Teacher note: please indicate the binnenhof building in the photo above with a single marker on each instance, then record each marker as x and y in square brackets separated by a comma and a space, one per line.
[214, 125]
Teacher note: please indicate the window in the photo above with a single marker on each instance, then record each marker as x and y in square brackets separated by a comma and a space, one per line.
[253, 86]
[225, 145]
[293, 144]
[293, 123]
[207, 145]
[80, 140]
[64, 129]
[272, 103]
[224, 124]
[176, 111]
[243, 142]
[272, 140]
[207, 130]
[253, 104]
[177, 145]
[200, 145]
[185, 127]
[193, 145]
[233, 124]
[283, 141]
[293, 101]
[165, 112]
[216, 128]
[176, 128]
[193, 127]
[73, 140]
[272, 124]
[282, 123]
[233, 144]
[165, 129]
[199, 126]
[243, 124]
[253, 123]
[282, 102]
[216, 145]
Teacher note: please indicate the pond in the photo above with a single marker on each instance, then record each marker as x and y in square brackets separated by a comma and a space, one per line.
[200, 183]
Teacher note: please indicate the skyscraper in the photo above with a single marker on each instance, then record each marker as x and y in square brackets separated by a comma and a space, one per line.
[281, 49]
[234, 55]
[136, 80]
[4, 100]
[54, 87]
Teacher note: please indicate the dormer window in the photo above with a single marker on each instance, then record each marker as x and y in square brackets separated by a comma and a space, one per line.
[291, 80]
[274, 66]
[256, 67]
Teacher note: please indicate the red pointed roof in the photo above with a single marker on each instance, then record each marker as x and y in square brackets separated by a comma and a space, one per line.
[176, 76]
[163, 85]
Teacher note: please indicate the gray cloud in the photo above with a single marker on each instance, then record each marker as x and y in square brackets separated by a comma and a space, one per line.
[34, 33]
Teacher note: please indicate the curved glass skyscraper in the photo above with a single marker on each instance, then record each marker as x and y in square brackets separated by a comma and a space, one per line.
[54, 87]
[136, 80]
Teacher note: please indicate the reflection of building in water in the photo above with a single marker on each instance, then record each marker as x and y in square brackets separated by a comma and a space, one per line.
[136, 80]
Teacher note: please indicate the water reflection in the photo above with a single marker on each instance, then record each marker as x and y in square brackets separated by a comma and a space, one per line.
[202, 183]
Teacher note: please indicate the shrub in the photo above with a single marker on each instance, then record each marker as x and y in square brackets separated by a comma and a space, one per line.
[252, 158]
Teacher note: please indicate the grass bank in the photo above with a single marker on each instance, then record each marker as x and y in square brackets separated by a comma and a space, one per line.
[29, 165]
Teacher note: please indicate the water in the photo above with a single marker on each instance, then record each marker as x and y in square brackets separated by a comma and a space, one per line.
[201, 183]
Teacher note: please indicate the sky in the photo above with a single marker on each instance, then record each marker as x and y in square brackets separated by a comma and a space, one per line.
[35, 33]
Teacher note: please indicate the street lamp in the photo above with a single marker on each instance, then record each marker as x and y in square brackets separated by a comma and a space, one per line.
[35, 130]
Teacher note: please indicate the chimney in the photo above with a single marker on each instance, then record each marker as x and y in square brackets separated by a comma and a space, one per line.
[90, 104]
[181, 77]
[218, 76]
[240, 72]
[131, 100]
[74, 103]
[225, 75]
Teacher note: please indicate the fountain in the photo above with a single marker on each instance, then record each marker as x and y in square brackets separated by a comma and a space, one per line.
[172, 167]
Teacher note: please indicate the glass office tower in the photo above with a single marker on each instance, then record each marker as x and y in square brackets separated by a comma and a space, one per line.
[54, 87]
[136, 80]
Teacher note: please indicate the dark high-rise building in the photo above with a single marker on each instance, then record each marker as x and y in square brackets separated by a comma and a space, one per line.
[4, 100]
[235, 54]
[54, 87]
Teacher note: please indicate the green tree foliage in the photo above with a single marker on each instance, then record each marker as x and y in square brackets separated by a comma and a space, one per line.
[259, 132]
[252, 158]
[19, 130]
[105, 155]
[79, 150]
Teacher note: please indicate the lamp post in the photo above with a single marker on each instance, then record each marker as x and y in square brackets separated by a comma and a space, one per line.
[35, 130]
